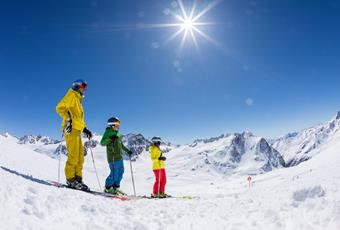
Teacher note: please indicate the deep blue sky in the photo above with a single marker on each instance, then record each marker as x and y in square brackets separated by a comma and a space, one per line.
[276, 68]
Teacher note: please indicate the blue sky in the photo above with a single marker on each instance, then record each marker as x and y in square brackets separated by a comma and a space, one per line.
[274, 66]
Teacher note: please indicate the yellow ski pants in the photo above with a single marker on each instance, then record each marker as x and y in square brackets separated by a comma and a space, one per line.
[75, 155]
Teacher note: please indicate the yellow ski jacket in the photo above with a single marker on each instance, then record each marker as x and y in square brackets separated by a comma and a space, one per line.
[72, 103]
[155, 154]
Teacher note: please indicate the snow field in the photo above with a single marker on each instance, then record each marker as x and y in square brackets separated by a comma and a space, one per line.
[302, 197]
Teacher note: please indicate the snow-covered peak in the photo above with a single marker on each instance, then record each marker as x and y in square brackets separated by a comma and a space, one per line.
[8, 135]
[245, 134]
[36, 140]
[242, 153]
[138, 143]
[300, 146]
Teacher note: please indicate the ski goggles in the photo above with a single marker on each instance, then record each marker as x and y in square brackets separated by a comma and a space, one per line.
[83, 85]
[115, 124]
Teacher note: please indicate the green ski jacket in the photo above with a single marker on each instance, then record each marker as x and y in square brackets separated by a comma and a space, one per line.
[115, 150]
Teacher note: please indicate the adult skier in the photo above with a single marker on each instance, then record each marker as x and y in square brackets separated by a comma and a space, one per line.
[158, 168]
[71, 110]
[115, 149]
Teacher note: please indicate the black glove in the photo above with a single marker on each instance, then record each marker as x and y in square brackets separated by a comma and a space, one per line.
[129, 152]
[161, 158]
[68, 126]
[87, 133]
[114, 138]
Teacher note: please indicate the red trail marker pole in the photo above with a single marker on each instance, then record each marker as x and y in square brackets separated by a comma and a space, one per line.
[249, 180]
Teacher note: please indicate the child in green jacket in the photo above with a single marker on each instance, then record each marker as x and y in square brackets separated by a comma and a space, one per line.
[115, 149]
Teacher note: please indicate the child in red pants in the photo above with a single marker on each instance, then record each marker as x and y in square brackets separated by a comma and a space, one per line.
[158, 168]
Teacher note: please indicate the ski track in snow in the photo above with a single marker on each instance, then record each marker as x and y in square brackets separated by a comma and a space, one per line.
[302, 197]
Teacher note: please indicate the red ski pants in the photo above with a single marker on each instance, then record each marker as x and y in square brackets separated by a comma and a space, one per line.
[160, 182]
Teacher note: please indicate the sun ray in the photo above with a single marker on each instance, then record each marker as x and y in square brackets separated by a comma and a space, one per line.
[193, 37]
[206, 9]
[192, 11]
[180, 3]
[175, 35]
[180, 18]
[182, 42]
[203, 23]
[152, 26]
[207, 37]
[188, 22]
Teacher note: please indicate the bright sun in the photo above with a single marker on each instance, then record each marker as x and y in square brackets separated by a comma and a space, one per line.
[188, 23]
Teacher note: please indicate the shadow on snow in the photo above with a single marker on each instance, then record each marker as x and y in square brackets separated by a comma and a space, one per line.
[27, 177]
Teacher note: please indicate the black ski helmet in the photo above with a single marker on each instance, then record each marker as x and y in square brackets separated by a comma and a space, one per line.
[156, 140]
[113, 121]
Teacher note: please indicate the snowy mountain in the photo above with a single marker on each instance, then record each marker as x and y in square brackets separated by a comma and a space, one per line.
[301, 146]
[138, 143]
[8, 136]
[45, 145]
[37, 140]
[227, 154]
[236, 153]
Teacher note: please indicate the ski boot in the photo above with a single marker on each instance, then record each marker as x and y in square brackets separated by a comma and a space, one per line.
[73, 184]
[84, 186]
[164, 195]
[111, 190]
[157, 196]
[120, 192]
[154, 195]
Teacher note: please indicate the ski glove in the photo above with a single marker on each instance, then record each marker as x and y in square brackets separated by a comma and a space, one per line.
[88, 133]
[129, 152]
[161, 158]
[68, 126]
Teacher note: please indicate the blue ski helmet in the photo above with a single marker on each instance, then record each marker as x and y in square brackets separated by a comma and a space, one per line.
[77, 84]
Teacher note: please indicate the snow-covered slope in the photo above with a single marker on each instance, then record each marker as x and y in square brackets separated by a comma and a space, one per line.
[301, 146]
[232, 154]
[304, 197]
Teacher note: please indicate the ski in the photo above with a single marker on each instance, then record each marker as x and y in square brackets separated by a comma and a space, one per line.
[160, 198]
[119, 197]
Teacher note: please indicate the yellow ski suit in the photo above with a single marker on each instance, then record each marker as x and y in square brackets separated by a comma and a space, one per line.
[155, 154]
[71, 103]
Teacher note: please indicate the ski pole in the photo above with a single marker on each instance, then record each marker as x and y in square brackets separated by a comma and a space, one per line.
[59, 167]
[94, 165]
[133, 181]
[60, 147]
